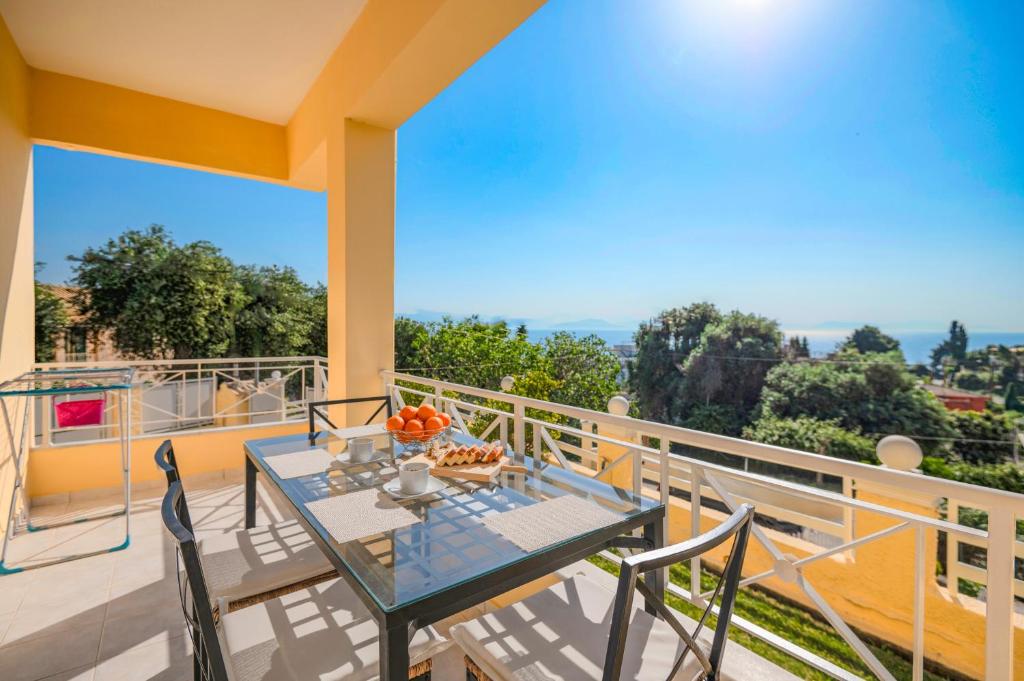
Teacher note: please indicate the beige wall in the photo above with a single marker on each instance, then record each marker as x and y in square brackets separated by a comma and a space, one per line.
[17, 328]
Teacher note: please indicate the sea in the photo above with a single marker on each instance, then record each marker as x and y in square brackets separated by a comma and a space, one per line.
[916, 345]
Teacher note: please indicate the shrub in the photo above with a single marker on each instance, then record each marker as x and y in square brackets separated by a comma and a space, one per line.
[813, 435]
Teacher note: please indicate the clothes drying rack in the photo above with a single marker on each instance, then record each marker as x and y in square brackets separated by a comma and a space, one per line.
[17, 397]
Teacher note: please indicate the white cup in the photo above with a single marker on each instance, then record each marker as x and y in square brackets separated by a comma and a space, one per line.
[360, 448]
[413, 477]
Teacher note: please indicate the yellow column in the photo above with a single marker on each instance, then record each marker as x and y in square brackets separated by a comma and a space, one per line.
[17, 301]
[361, 262]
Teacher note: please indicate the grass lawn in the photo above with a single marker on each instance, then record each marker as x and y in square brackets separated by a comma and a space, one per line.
[790, 622]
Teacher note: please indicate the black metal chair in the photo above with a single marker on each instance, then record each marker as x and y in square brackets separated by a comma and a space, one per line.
[252, 564]
[313, 410]
[564, 631]
[273, 639]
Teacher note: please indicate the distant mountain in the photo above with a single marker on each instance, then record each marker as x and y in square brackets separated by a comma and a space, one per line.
[587, 325]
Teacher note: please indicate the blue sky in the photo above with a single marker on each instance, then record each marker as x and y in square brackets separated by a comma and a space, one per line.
[817, 162]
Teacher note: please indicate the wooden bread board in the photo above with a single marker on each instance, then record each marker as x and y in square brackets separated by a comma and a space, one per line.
[476, 472]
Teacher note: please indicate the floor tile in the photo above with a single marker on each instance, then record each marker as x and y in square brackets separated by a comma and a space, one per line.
[159, 661]
[48, 655]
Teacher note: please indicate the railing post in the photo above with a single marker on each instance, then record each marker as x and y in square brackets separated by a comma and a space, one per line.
[952, 549]
[519, 426]
[920, 581]
[622, 476]
[696, 480]
[849, 517]
[1002, 535]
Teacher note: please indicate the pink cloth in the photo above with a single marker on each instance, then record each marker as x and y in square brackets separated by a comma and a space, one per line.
[79, 413]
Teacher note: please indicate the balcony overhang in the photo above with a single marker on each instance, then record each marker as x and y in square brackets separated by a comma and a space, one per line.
[237, 87]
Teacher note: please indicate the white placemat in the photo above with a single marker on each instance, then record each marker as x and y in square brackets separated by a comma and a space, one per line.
[297, 464]
[549, 522]
[360, 514]
[359, 431]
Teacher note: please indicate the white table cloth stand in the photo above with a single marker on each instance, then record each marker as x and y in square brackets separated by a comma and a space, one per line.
[17, 398]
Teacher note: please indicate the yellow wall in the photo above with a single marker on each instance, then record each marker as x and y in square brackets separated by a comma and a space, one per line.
[17, 329]
[74, 468]
[873, 591]
[76, 113]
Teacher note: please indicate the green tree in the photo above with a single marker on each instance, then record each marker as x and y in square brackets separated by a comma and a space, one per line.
[663, 345]
[985, 437]
[729, 365]
[873, 394]
[51, 321]
[316, 342]
[953, 349]
[584, 368]
[797, 348]
[410, 337]
[473, 352]
[869, 339]
[275, 319]
[1012, 399]
[157, 298]
[812, 435]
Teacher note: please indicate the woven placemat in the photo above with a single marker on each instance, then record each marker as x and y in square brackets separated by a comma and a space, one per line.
[550, 522]
[359, 431]
[360, 514]
[297, 464]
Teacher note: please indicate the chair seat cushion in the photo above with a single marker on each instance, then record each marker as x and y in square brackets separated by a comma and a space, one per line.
[561, 634]
[249, 562]
[323, 632]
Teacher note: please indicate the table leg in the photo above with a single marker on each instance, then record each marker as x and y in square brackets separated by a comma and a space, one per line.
[250, 494]
[655, 579]
[394, 652]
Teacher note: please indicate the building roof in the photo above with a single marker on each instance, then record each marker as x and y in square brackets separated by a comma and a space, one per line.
[943, 391]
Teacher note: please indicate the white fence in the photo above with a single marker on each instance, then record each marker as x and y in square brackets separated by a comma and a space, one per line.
[816, 493]
[177, 395]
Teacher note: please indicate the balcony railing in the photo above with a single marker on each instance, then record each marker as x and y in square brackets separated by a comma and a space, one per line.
[854, 522]
[172, 396]
[833, 534]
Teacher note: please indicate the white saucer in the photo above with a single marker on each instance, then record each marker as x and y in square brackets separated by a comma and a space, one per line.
[394, 488]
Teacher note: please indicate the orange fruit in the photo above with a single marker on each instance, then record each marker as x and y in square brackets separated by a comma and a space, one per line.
[445, 419]
[413, 426]
[425, 412]
[408, 412]
[394, 423]
[433, 425]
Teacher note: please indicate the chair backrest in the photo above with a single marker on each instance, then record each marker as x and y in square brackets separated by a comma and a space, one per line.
[738, 525]
[194, 595]
[166, 462]
[314, 411]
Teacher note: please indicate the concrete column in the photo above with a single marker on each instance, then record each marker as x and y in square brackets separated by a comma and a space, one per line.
[360, 262]
[17, 292]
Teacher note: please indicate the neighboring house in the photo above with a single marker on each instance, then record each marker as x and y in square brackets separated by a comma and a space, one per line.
[958, 400]
[77, 343]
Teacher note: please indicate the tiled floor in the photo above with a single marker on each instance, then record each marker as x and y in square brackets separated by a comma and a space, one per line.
[114, 616]
[117, 616]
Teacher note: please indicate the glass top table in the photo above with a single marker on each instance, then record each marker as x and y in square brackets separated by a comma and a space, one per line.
[454, 552]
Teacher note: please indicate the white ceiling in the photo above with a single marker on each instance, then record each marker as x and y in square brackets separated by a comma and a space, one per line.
[256, 58]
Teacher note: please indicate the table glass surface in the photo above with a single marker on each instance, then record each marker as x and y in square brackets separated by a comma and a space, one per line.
[449, 545]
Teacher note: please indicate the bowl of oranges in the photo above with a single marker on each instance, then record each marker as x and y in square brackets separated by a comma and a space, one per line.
[418, 427]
